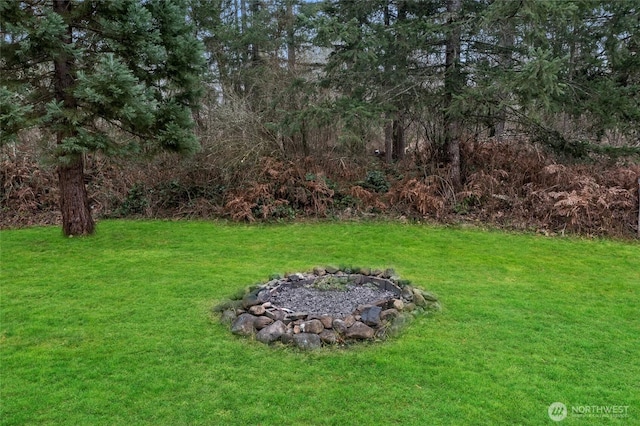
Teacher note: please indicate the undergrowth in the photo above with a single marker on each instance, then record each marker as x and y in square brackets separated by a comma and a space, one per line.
[511, 185]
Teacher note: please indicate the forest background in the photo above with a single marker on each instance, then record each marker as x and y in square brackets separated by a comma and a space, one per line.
[522, 114]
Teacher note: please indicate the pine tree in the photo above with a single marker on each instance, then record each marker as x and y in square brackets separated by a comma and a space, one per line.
[89, 72]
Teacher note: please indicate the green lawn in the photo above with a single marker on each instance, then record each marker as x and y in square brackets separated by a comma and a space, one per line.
[116, 329]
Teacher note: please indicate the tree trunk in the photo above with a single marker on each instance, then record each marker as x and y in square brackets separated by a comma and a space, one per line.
[507, 36]
[74, 202]
[399, 140]
[452, 85]
[388, 141]
[291, 37]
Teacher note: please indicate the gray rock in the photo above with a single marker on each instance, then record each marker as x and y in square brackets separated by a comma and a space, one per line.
[261, 322]
[297, 315]
[407, 293]
[339, 326]
[371, 316]
[276, 314]
[329, 337]
[312, 326]
[360, 330]
[307, 341]
[385, 285]
[287, 337]
[296, 277]
[331, 270]
[272, 332]
[255, 298]
[243, 325]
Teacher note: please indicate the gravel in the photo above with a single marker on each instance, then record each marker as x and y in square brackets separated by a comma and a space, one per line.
[336, 303]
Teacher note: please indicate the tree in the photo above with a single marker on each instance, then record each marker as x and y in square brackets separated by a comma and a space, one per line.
[111, 76]
[452, 87]
[376, 63]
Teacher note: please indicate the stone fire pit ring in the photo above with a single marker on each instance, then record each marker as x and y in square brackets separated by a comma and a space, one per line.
[328, 306]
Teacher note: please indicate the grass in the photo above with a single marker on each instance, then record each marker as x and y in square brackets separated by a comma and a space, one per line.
[116, 328]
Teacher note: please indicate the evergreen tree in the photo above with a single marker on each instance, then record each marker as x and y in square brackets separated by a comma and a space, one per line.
[89, 72]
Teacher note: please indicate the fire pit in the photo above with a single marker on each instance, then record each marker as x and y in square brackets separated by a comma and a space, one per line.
[328, 306]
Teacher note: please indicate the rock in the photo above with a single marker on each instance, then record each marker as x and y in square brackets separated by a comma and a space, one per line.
[329, 337]
[361, 308]
[371, 316]
[257, 310]
[388, 314]
[357, 279]
[410, 307]
[331, 270]
[276, 314]
[339, 326]
[297, 315]
[312, 326]
[272, 332]
[398, 304]
[296, 277]
[307, 341]
[243, 325]
[287, 337]
[384, 284]
[365, 271]
[418, 299]
[319, 271]
[255, 298]
[349, 320]
[228, 316]
[359, 330]
[261, 322]
[381, 302]
[327, 321]
[429, 296]
[388, 273]
[407, 293]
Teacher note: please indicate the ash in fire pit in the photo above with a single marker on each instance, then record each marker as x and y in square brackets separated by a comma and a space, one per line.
[326, 306]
